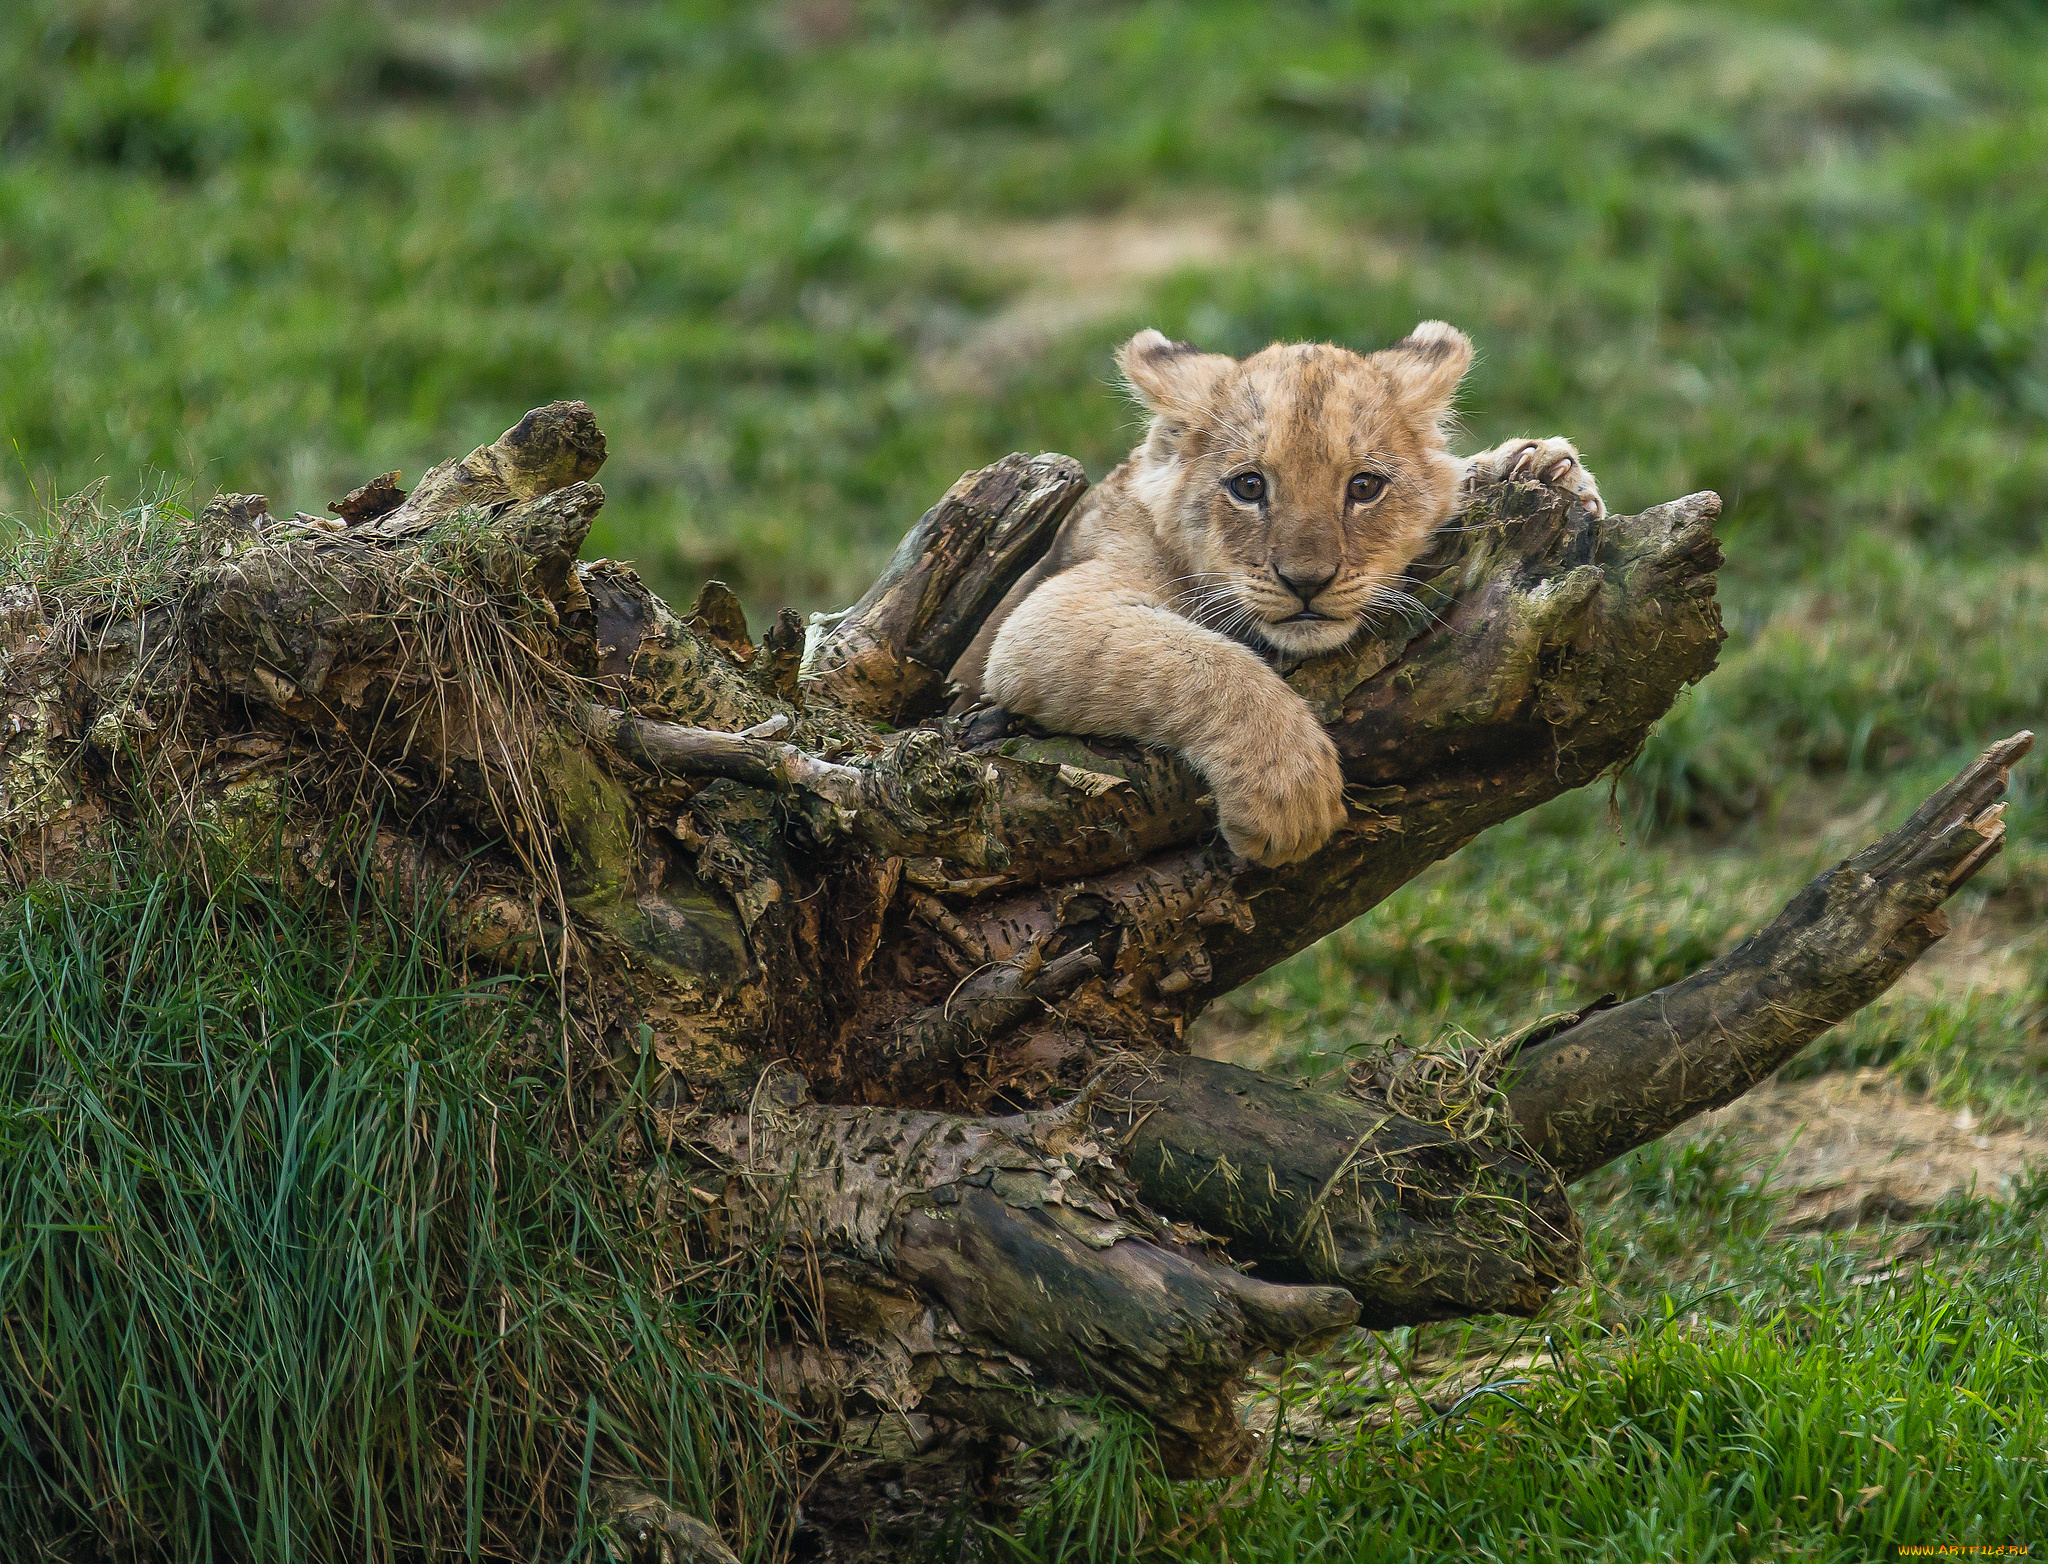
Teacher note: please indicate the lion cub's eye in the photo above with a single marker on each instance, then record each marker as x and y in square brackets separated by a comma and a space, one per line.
[1367, 487]
[1249, 487]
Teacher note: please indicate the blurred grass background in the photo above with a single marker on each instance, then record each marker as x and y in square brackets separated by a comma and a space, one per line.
[810, 260]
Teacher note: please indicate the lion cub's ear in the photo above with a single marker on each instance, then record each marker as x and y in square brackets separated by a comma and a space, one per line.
[1170, 378]
[1427, 365]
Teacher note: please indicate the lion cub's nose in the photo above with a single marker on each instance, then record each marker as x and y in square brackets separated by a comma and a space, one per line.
[1305, 586]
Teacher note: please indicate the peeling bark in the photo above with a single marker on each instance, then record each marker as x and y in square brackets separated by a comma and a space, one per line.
[1003, 1270]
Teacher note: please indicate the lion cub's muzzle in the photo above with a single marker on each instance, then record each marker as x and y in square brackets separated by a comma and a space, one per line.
[1301, 622]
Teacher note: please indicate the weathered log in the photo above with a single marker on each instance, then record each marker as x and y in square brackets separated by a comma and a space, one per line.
[978, 943]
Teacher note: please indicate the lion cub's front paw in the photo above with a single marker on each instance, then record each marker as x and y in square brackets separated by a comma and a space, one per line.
[1281, 804]
[1553, 462]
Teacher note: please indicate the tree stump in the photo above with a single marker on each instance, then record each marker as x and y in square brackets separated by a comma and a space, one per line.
[912, 990]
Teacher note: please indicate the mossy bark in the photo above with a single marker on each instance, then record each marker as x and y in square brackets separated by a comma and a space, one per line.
[912, 989]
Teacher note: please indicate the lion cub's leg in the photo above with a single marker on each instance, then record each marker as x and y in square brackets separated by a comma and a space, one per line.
[1553, 462]
[1087, 655]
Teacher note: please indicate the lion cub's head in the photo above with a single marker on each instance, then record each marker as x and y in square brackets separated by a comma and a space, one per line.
[1294, 486]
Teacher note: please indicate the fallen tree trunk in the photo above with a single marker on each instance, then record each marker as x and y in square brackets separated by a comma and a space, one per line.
[909, 991]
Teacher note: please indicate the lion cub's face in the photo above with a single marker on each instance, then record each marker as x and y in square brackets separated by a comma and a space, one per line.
[1296, 485]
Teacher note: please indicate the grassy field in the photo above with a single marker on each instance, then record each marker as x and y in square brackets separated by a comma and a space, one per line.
[809, 261]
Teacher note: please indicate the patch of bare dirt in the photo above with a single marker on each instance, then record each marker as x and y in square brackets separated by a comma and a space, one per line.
[1849, 1149]
[1982, 952]
[1073, 273]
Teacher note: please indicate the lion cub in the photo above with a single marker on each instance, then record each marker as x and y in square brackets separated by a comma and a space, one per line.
[1269, 512]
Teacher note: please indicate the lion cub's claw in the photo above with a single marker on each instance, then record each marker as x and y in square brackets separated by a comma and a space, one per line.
[1281, 808]
[1553, 463]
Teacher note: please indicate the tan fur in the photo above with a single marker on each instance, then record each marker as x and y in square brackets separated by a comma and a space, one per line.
[1150, 615]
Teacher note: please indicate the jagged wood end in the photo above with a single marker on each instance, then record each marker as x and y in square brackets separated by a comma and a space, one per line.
[551, 448]
[1624, 1076]
[888, 658]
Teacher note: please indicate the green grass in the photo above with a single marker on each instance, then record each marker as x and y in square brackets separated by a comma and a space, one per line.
[289, 1269]
[810, 260]
[1719, 1393]
[84, 556]
[1788, 253]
